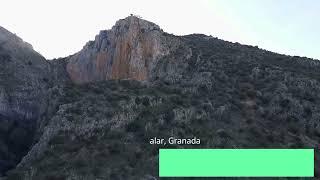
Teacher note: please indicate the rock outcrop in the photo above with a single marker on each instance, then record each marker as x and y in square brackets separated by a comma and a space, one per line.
[129, 50]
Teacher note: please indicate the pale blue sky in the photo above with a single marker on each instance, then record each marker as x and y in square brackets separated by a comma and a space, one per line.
[61, 27]
[285, 26]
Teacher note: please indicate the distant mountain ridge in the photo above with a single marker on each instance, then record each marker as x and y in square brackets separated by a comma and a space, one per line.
[73, 117]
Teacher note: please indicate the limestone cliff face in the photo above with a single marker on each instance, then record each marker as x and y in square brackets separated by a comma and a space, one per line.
[129, 50]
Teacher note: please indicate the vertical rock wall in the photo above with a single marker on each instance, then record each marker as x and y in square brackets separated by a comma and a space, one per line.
[127, 51]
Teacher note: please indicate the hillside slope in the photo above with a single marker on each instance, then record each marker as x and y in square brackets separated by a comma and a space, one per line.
[23, 82]
[227, 94]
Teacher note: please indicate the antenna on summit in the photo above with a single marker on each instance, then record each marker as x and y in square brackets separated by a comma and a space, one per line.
[136, 16]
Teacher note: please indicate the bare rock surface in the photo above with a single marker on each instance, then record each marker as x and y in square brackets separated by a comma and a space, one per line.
[129, 50]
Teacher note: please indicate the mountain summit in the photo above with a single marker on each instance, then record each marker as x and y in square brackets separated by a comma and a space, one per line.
[129, 50]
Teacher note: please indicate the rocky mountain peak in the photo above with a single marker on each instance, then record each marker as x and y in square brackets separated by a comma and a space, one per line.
[134, 23]
[127, 51]
[227, 94]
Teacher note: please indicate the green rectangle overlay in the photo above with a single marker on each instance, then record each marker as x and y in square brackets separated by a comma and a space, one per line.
[236, 162]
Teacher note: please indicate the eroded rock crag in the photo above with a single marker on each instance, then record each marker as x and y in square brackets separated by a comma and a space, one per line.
[129, 50]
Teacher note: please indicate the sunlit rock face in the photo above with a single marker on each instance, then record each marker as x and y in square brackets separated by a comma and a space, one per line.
[128, 51]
